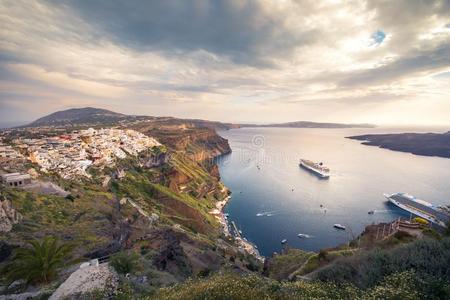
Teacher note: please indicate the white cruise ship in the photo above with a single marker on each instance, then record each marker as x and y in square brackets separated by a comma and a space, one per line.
[317, 168]
[435, 214]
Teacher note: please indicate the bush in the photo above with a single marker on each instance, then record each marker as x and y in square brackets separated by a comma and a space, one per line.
[70, 197]
[428, 257]
[124, 262]
[323, 255]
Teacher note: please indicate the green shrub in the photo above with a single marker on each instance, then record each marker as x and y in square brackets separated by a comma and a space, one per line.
[39, 262]
[124, 262]
[323, 255]
[429, 257]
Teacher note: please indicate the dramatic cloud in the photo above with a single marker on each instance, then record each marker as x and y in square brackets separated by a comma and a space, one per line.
[235, 60]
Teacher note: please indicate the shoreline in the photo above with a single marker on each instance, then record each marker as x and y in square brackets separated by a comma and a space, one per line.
[242, 242]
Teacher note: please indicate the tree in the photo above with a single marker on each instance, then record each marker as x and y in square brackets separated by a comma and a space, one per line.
[38, 262]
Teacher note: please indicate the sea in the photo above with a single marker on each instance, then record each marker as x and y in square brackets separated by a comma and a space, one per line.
[274, 199]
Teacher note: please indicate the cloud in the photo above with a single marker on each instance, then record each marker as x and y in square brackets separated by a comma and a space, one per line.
[243, 60]
[427, 62]
[246, 32]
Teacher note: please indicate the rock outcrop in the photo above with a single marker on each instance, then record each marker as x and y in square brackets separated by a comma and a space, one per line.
[88, 279]
[157, 160]
[199, 144]
[8, 216]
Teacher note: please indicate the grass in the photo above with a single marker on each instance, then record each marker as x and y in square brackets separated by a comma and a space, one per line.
[251, 286]
[281, 266]
[315, 261]
[84, 220]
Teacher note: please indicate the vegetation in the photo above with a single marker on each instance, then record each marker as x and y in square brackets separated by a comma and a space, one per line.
[429, 257]
[281, 266]
[234, 286]
[447, 230]
[124, 262]
[39, 262]
[182, 192]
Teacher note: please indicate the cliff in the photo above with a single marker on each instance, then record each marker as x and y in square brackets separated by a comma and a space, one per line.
[428, 144]
[199, 144]
[8, 216]
[160, 208]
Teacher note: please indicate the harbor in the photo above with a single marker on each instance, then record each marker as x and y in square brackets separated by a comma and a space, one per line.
[280, 201]
[231, 230]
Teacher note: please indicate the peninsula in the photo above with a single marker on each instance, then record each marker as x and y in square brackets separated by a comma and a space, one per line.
[428, 144]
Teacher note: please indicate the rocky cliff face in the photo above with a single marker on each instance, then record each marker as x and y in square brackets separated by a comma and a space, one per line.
[8, 216]
[199, 144]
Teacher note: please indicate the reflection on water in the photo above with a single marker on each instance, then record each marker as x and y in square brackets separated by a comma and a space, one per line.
[273, 199]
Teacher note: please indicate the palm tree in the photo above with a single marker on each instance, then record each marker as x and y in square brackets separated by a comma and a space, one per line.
[39, 262]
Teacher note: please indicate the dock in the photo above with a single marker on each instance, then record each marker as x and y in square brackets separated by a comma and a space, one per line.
[236, 230]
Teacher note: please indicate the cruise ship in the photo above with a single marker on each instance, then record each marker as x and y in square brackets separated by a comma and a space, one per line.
[317, 168]
[436, 214]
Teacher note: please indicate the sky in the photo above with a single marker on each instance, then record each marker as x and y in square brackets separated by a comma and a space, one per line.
[375, 61]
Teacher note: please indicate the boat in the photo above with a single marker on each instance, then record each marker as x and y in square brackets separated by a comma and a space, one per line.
[284, 241]
[371, 212]
[316, 168]
[303, 236]
[339, 226]
[420, 208]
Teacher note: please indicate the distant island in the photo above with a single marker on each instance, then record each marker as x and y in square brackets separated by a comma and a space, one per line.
[90, 115]
[428, 144]
[307, 124]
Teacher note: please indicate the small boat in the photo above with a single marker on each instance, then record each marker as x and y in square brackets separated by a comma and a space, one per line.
[284, 241]
[303, 236]
[226, 214]
[339, 226]
[371, 212]
[240, 231]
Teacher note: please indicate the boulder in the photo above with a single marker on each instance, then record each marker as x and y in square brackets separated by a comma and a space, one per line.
[8, 216]
[86, 280]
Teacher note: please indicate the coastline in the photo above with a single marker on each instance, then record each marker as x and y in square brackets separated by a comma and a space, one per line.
[242, 242]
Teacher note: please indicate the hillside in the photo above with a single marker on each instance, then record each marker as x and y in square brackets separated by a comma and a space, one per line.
[78, 116]
[428, 144]
[150, 216]
[158, 207]
[404, 271]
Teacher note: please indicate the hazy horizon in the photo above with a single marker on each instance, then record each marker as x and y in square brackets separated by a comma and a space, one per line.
[418, 127]
[384, 63]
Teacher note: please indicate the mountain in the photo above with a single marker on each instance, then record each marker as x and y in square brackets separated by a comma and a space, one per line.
[78, 116]
[307, 124]
[428, 144]
[91, 115]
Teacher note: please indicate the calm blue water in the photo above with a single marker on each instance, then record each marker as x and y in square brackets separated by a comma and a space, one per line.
[279, 200]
